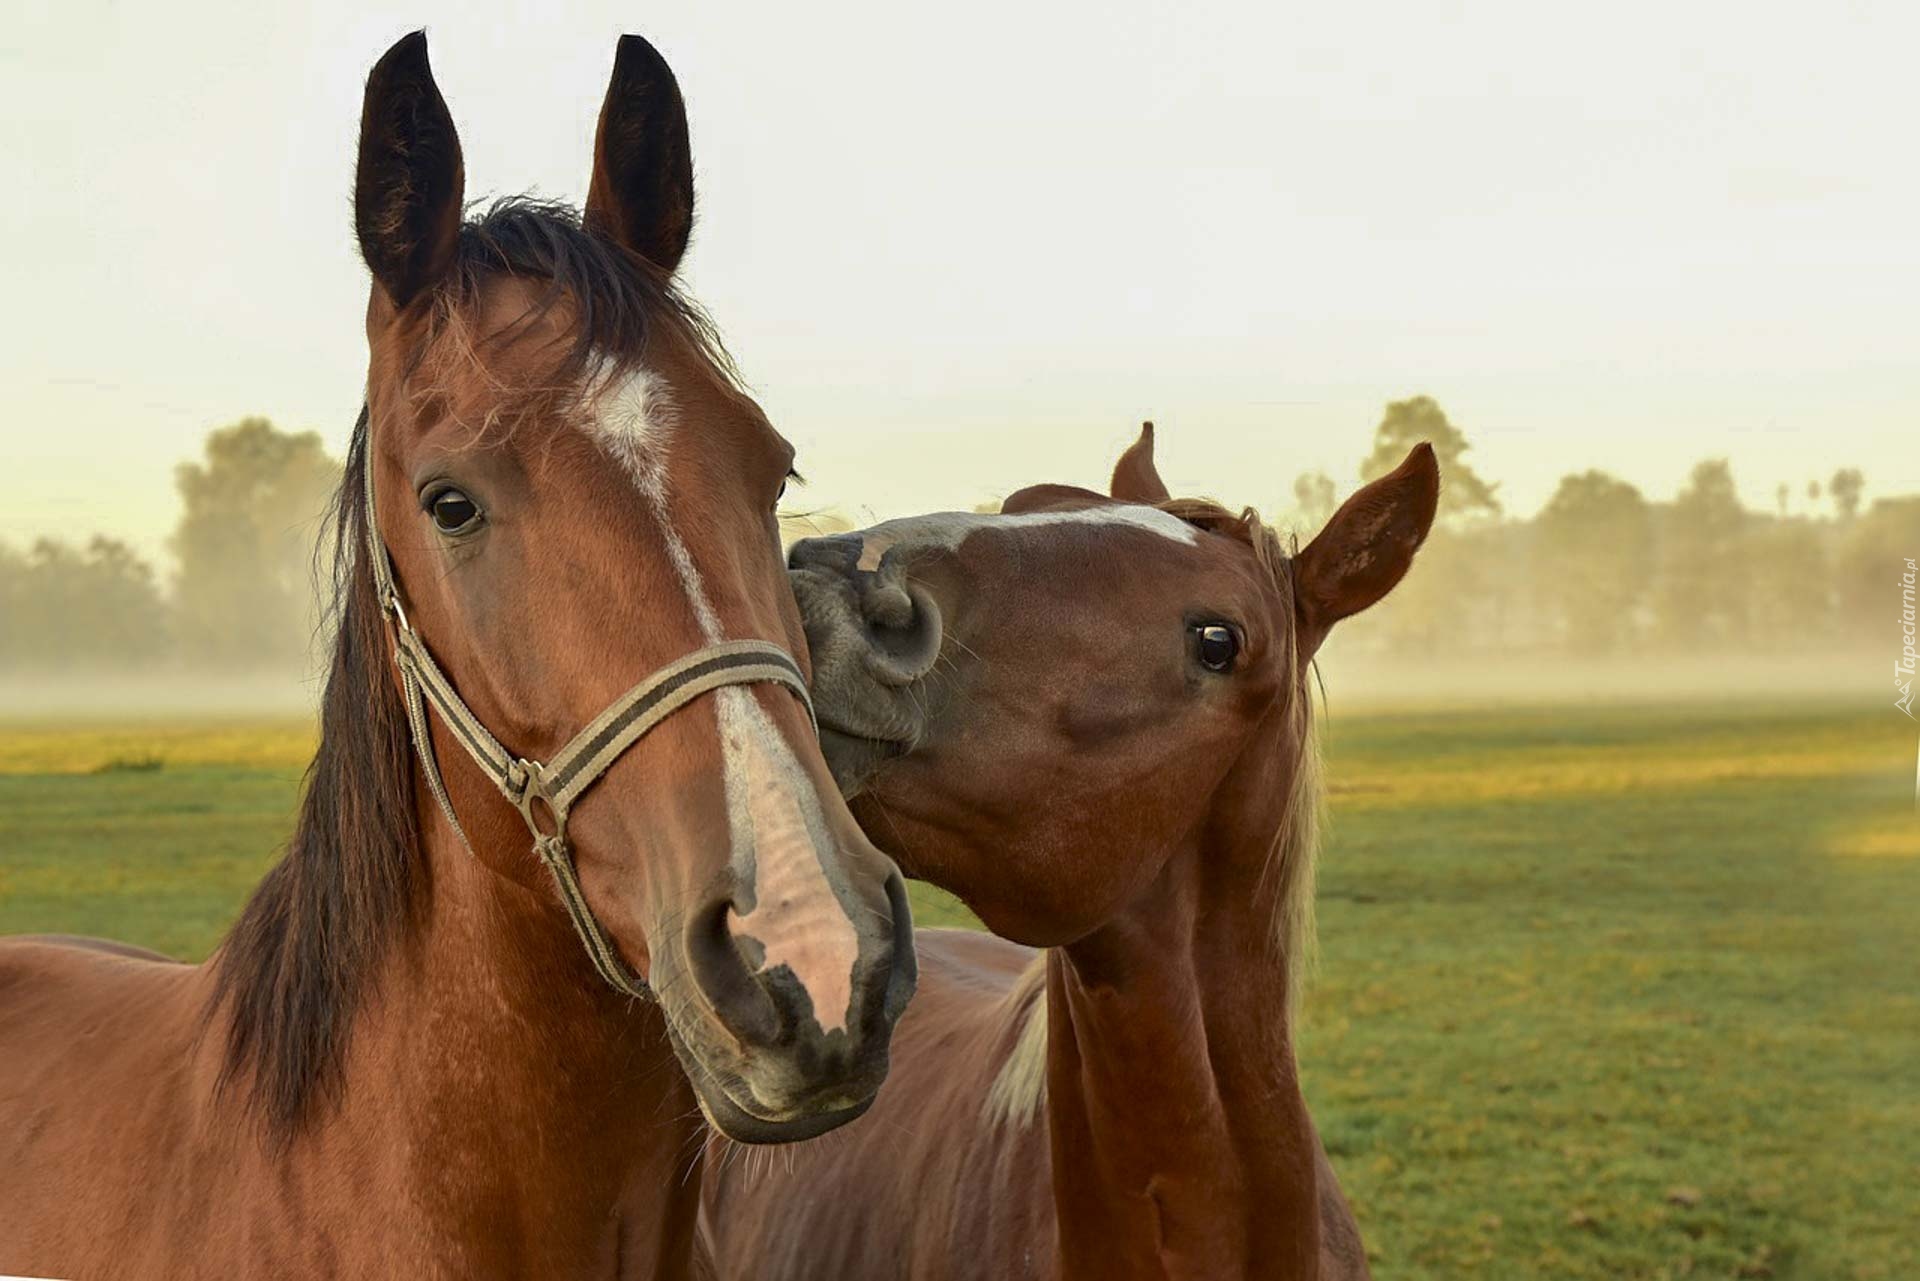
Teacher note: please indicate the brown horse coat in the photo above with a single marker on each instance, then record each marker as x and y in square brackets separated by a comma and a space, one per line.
[401, 1062]
[1089, 718]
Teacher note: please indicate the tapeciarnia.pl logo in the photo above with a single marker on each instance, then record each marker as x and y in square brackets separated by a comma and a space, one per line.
[1903, 666]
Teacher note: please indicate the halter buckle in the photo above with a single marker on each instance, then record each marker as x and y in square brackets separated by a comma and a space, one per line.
[524, 785]
[395, 611]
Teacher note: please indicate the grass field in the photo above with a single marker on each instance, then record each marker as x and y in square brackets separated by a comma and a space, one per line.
[1606, 992]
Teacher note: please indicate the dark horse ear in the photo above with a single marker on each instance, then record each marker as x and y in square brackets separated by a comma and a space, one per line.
[641, 193]
[407, 186]
[1135, 478]
[1368, 545]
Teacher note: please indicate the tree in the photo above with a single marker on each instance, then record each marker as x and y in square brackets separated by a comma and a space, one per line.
[1407, 423]
[66, 606]
[1845, 487]
[16, 632]
[1789, 586]
[1595, 559]
[1313, 501]
[1868, 562]
[1703, 584]
[244, 594]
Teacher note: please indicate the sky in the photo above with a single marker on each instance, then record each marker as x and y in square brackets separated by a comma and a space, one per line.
[958, 250]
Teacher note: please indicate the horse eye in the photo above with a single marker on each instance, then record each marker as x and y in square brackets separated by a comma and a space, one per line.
[453, 512]
[785, 481]
[1216, 645]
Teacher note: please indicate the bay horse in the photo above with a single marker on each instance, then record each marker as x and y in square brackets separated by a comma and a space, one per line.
[1089, 717]
[469, 1024]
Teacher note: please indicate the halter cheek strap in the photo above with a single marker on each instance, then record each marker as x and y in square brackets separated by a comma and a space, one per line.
[553, 787]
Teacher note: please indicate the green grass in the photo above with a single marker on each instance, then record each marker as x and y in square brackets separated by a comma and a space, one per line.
[1623, 993]
[1604, 992]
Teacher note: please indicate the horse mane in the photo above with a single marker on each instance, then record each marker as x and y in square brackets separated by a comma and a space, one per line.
[1020, 1087]
[616, 298]
[1019, 1090]
[306, 952]
[301, 959]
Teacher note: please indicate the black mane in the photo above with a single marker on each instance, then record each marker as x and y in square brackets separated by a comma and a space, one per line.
[617, 296]
[305, 951]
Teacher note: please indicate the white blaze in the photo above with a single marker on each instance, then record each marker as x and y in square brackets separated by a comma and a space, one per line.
[947, 530]
[778, 831]
[773, 808]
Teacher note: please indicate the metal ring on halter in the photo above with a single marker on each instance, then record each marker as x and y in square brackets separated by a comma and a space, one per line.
[528, 789]
[585, 758]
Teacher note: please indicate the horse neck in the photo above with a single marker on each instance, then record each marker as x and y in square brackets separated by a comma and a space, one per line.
[1181, 1144]
[514, 1076]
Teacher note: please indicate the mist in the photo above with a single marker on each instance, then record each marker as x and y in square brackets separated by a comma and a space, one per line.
[1604, 594]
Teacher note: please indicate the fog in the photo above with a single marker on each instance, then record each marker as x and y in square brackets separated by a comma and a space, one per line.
[119, 696]
[1604, 593]
[1373, 682]
[1355, 682]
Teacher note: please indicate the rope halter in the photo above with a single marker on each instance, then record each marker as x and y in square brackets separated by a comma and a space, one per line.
[545, 793]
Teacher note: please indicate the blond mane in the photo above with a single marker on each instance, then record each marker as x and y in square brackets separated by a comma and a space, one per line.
[1020, 1087]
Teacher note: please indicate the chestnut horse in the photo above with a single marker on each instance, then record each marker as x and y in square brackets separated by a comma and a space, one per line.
[402, 1061]
[1089, 718]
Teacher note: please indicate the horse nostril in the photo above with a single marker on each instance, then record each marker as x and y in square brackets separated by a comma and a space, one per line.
[905, 973]
[742, 1004]
[876, 620]
[903, 633]
[889, 605]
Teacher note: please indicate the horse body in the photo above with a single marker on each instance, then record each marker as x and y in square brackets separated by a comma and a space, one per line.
[75, 1197]
[1163, 1134]
[1181, 1144]
[402, 1060]
[497, 1127]
[1090, 720]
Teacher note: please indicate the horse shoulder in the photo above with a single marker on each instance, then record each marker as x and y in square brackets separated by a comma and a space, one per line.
[97, 1041]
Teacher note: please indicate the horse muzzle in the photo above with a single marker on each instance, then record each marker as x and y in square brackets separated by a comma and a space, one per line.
[772, 1055]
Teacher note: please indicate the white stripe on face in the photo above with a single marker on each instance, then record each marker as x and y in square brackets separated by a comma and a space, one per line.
[773, 811]
[773, 808]
[635, 423]
[945, 531]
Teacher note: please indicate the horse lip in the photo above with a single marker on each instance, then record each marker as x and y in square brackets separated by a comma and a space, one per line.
[741, 1123]
[726, 1114]
[827, 726]
[853, 757]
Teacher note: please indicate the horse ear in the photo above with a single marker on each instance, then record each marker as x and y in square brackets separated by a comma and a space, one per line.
[1368, 545]
[641, 192]
[1135, 479]
[407, 185]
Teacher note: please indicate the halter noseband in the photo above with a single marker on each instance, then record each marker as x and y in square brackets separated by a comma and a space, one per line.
[556, 785]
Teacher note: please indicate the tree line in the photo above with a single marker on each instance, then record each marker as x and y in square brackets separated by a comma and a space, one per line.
[242, 594]
[1600, 569]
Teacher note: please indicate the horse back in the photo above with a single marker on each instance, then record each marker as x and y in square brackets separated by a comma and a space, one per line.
[97, 1049]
